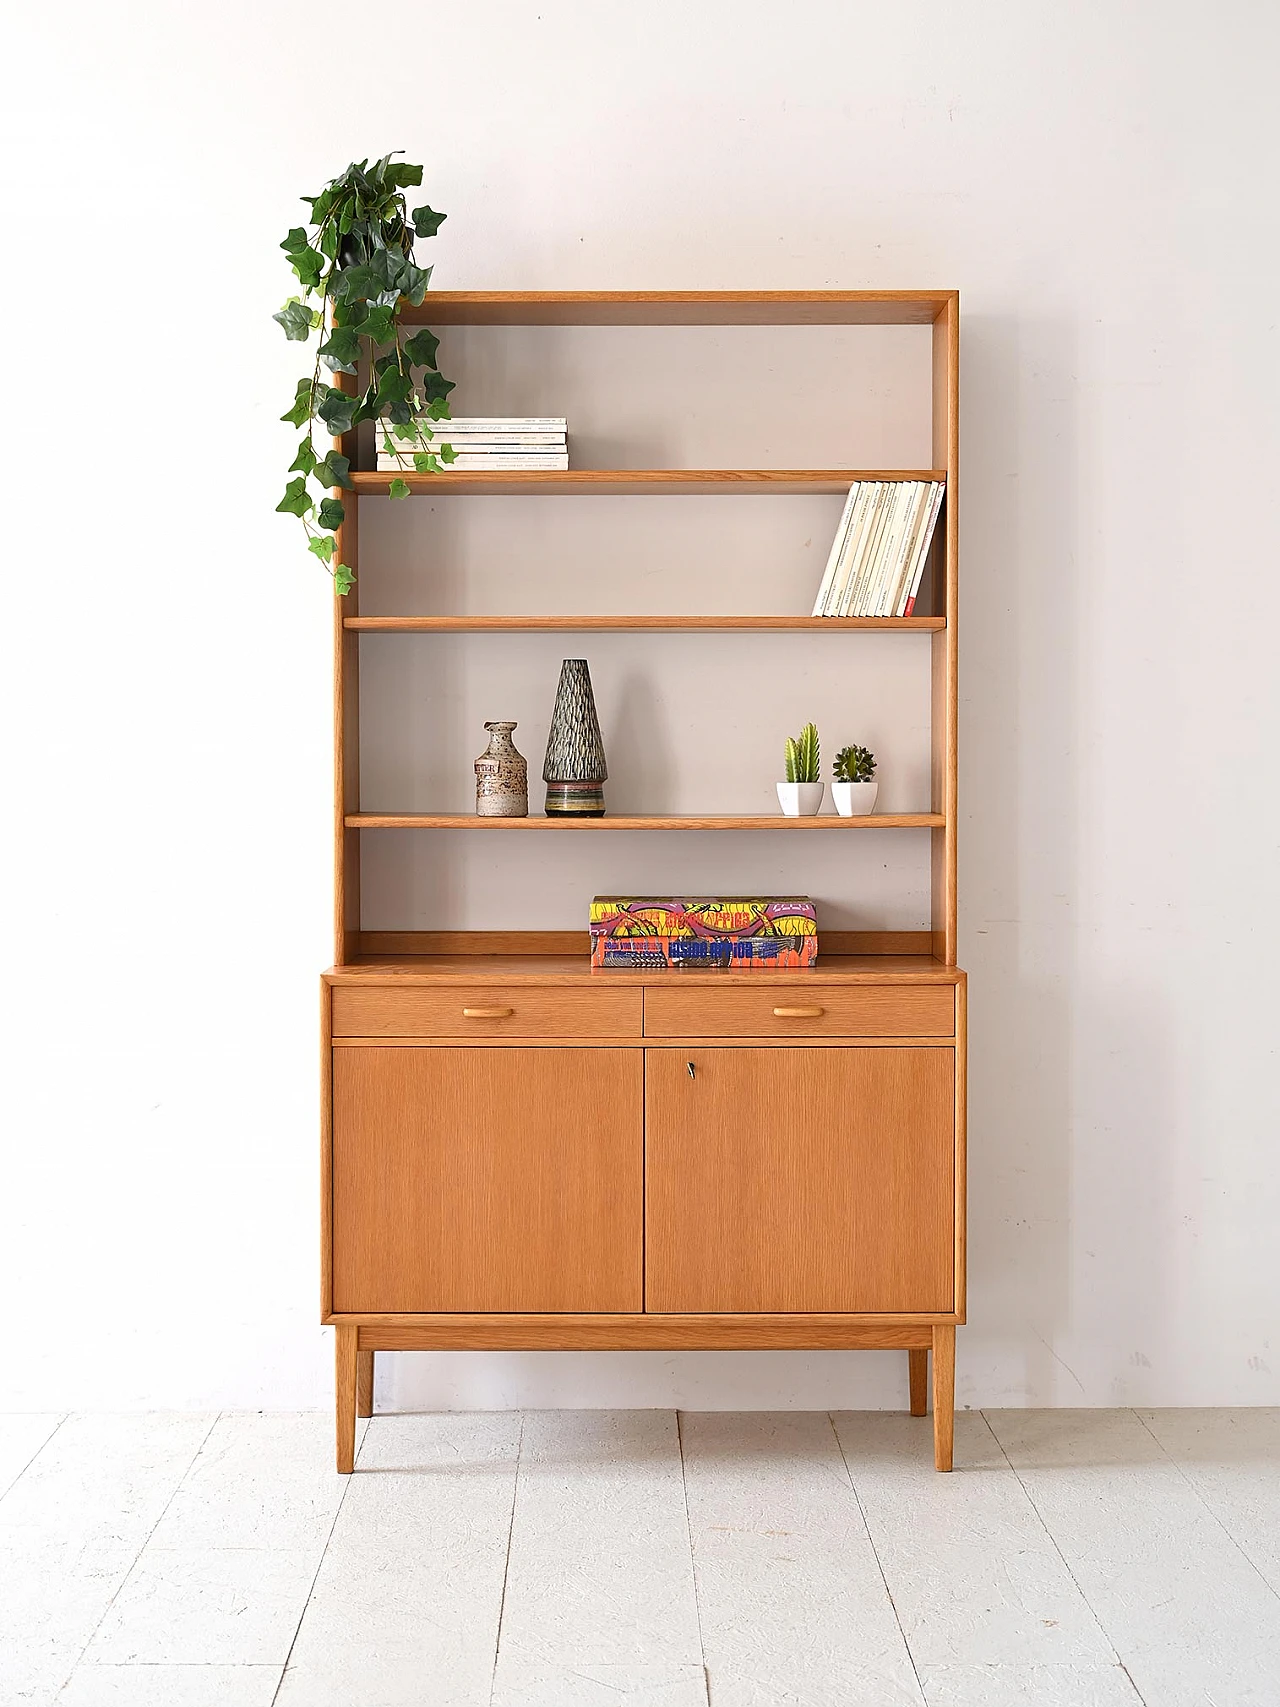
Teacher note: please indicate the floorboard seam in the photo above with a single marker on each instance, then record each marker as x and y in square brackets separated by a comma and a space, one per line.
[506, 1563]
[30, 1461]
[177, 1486]
[1066, 1564]
[693, 1561]
[315, 1576]
[1266, 1581]
[875, 1554]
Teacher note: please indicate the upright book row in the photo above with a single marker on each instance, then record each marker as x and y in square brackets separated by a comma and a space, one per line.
[881, 546]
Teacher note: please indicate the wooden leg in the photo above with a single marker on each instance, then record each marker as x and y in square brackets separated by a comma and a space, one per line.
[346, 1355]
[364, 1384]
[918, 1371]
[944, 1394]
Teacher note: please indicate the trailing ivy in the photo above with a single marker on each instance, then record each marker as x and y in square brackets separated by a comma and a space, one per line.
[354, 262]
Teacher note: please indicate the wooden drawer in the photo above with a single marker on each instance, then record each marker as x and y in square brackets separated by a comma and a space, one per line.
[459, 1010]
[822, 1010]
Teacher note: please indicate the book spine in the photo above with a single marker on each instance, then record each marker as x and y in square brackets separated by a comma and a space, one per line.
[852, 546]
[906, 520]
[463, 464]
[852, 598]
[926, 541]
[837, 546]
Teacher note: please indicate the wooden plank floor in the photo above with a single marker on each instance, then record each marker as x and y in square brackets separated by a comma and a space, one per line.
[1074, 1559]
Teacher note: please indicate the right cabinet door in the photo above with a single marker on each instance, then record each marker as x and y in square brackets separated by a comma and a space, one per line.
[800, 1180]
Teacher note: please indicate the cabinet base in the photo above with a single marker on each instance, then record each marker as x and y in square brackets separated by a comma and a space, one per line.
[356, 1342]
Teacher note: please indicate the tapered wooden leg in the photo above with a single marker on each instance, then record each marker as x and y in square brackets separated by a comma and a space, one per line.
[364, 1384]
[918, 1371]
[944, 1394]
[346, 1350]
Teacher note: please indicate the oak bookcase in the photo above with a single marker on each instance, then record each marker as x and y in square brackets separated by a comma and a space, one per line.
[746, 1163]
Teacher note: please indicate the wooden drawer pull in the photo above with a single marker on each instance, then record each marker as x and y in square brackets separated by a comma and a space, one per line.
[798, 1013]
[487, 1013]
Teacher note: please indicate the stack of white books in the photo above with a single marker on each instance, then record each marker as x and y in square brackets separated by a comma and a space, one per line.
[882, 543]
[479, 441]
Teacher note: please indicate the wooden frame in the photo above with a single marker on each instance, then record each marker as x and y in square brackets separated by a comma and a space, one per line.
[556, 960]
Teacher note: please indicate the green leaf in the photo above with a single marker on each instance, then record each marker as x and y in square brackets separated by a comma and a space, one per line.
[414, 282]
[295, 501]
[354, 284]
[332, 470]
[305, 460]
[309, 265]
[379, 324]
[343, 579]
[295, 241]
[341, 350]
[394, 386]
[300, 414]
[421, 348]
[331, 513]
[296, 320]
[327, 242]
[426, 222]
[399, 488]
[426, 462]
[399, 175]
[323, 547]
[337, 410]
[435, 388]
[448, 454]
[438, 409]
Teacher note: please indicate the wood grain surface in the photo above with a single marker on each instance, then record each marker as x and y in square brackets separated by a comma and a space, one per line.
[798, 1010]
[794, 1179]
[503, 1179]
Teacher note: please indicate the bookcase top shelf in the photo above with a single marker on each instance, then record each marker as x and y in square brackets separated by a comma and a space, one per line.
[645, 821]
[678, 308]
[612, 482]
[628, 624]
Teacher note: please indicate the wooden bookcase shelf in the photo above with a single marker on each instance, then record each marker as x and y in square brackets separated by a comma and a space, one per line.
[520, 1152]
[643, 624]
[637, 482]
[644, 821]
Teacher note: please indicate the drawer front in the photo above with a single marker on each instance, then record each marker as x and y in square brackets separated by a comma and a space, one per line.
[827, 1010]
[485, 1011]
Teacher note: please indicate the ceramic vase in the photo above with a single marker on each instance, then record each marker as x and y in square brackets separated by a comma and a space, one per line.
[800, 799]
[502, 776]
[855, 799]
[574, 768]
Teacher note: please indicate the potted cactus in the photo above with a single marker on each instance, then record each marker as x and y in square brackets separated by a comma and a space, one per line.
[854, 788]
[801, 794]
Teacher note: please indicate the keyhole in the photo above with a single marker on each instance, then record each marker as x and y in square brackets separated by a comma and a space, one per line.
[692, 1070]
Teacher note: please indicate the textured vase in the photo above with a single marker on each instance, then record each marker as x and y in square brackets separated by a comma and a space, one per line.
[502, 777]
[574, 768]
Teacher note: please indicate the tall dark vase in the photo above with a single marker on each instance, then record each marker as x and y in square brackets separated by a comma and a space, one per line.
[574, 769]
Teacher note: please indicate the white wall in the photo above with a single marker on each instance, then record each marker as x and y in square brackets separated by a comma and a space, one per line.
[1097, 180]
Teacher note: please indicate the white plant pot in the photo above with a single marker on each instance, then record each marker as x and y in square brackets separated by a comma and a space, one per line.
[855, 799]
[800, 799]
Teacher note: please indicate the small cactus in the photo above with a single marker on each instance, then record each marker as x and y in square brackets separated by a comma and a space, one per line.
[804, 757]
[854, 764]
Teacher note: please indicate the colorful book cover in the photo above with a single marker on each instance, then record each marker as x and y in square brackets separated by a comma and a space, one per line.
[740, 931]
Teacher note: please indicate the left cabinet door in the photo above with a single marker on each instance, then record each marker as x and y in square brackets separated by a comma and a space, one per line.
[487, 1180]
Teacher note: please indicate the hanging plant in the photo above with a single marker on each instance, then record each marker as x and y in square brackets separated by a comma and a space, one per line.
[354, 262]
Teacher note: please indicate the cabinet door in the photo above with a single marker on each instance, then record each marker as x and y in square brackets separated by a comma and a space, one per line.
[487, 1179]
[800, 1179]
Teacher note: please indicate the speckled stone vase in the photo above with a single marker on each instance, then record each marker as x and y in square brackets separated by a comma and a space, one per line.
[574, 768]
[502, 777]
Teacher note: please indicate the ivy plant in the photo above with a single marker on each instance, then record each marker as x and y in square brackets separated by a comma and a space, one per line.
[354, 261]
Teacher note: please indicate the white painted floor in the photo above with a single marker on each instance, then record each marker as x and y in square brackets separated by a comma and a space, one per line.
[1073, 1559]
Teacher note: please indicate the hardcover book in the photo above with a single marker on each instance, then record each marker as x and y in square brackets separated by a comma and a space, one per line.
[747, 932]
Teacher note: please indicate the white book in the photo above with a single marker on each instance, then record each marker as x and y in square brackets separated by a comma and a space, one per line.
[463, 464]
[502, 424]
[472, 447]
[905, 555]
[849, 557]
[891, 546]
[922, 549]
[837, 546]
[852, 594]
[445, 432]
